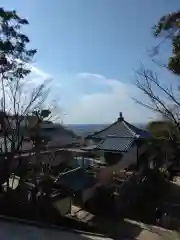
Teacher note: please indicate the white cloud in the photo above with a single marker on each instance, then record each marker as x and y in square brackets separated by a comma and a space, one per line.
[39, 72]
[91, 98]
[104, 106]
[38, 76]
[90, 76]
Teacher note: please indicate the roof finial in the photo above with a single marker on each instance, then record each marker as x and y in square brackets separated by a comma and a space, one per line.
[120, 117]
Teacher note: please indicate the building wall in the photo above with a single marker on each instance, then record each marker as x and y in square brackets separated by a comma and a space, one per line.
[128, 158]
[112, 158]
[26, 145]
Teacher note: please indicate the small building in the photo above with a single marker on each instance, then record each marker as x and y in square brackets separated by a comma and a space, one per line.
[119, 145]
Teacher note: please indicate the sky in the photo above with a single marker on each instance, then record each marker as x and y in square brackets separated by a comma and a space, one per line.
[90, 50]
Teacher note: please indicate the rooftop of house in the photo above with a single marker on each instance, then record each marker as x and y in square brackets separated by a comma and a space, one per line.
[120, 128]
[118, 136]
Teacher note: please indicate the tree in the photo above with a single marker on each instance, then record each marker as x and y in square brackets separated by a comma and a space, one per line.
[160, 129]
[18, 98]
[165, 139]
[168, 28]
[164, 99]
[35, 133]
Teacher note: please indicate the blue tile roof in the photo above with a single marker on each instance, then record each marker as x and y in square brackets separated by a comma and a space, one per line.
[120, 129]
[141, 132]
[121, 144]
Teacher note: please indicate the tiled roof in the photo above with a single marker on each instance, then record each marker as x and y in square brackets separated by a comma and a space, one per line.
[141, 132]
[120, 129]
[121, 144]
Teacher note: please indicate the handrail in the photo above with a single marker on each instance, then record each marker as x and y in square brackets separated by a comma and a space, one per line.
[70, 171]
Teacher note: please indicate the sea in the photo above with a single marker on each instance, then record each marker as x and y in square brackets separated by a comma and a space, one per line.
[85, 129]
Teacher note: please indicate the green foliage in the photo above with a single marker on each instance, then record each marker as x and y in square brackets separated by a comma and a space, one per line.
[13, 51]
[45, 113]
[169, 28]
[166, 139]
[42, 114]
[168, 22]
[160, 129]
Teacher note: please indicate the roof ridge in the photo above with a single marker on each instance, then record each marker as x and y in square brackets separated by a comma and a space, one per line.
[127, 125]
[115, 136]
[138, 128]
[131, 130]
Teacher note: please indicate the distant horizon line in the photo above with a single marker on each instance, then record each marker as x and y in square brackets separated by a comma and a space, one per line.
[99, 123]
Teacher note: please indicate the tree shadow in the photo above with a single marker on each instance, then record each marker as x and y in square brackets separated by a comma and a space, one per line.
[167, 201]
[16, 230]
[117, 229]
[171, 205]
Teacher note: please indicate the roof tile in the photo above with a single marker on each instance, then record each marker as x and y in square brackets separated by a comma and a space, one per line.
[121, 144]
[120, 129]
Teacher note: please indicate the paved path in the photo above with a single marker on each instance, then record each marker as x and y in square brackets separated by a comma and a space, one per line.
[16, 231]
[149, 232]
[127, 229]
[122, 230]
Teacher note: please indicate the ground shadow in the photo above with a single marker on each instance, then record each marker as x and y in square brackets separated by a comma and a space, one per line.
[117, 229]
[171, 204]
[14, 230]
[44, 214]
[112, 227]
[168, 201]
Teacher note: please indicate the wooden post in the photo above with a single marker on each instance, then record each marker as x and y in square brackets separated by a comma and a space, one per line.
[137, 156]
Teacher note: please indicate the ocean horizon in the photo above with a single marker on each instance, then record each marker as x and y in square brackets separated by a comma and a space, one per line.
[84, 129]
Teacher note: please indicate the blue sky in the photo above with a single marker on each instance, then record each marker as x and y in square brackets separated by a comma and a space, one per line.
[90, 49]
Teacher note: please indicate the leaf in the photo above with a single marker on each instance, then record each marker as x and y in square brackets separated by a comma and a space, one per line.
[23, 21]
[45, 113]
[168, 27]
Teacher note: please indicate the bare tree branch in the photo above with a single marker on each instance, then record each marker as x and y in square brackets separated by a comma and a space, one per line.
[157, 94]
